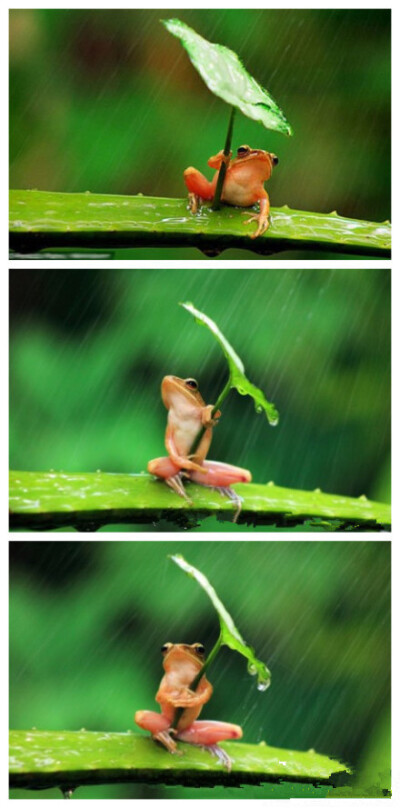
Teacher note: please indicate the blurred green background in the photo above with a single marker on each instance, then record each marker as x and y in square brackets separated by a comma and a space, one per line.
[88, 620]
[108, 101]
[88, 350]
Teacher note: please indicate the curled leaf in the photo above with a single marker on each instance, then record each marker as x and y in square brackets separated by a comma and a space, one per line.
[230, 635]
[237, 375]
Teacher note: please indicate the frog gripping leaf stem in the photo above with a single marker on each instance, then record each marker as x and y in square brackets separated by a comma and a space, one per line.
[240, 181]
[243, 183]
[182, 663]
[187, 413]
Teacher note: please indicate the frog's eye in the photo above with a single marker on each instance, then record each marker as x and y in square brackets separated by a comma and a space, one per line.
[166, 647]
[243, 150]
[191, 384]
[199, 648]
[274, 159]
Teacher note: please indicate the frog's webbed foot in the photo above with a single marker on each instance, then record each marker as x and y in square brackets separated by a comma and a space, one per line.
[176, 483]
[262, 221]
[217, 752]
[234, 497]
[194, 202]
[167, 741]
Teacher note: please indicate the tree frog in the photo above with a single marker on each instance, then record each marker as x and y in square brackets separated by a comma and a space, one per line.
[243, 184]
[187, 413]
[181, 664]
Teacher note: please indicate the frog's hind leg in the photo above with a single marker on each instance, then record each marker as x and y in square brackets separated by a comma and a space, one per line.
[235, 498]
[199, 187]
[177, 485]
[207, 734]
[221, 755]
[164, 468]
[159, 726]
[221, 476]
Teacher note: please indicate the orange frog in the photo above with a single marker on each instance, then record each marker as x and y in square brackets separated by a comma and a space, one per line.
[243, 184]
[181, 664]
[187, 413]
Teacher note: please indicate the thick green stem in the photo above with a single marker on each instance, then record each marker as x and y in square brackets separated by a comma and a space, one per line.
[221, 398]
[87, 501]
[213, 653]
[42, 220]
[221, 176]
[71, 759]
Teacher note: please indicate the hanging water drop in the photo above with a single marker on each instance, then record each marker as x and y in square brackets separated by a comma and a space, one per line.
[263, 685]
[67, 792]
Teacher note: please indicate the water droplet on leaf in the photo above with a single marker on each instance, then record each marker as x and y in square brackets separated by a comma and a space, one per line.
[263, 685]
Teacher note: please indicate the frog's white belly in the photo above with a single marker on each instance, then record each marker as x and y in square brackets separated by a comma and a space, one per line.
[236, 193]
[185, 429]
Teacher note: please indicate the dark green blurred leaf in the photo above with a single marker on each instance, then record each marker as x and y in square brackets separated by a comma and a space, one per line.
[224, 74]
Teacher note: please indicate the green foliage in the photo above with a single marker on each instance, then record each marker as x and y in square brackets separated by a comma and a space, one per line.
[237, 377]
[89, 500]
[41, 220]
[224, 74]
[229, 635]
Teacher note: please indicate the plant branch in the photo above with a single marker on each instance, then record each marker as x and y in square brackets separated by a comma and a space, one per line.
[87, 501]
[44, 220]
[70, 759]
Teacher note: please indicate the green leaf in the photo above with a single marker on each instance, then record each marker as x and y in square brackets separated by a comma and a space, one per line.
[69, 759]
[237, 376]
[224, 74]
[230, 635]
[45, 220]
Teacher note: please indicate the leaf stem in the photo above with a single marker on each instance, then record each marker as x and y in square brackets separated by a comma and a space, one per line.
[213, 653]
[221, 398]
[221, 176]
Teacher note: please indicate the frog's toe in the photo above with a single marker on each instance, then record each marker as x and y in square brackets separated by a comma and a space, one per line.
[176, 484]
[219, 753]
[263, 224]
[194, 202]
[165, 739]
[262, 228]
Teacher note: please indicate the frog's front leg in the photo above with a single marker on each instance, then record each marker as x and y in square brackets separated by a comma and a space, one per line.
[179, 460]
[262, 218]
